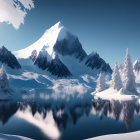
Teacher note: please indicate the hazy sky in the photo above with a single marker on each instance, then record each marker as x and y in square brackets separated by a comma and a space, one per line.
[105, 26]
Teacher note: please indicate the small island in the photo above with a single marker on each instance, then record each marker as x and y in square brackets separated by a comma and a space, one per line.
[122, 85]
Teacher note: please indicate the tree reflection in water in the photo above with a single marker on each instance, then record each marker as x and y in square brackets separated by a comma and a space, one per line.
[56, 118]
[117, 110]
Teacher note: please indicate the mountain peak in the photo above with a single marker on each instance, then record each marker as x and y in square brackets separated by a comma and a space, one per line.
[58, 41]
[57, 32]
[3, 48]
[92, 54]
[46, 43]
[59, 24]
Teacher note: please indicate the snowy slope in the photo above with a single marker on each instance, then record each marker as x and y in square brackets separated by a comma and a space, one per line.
[49, 42]
[45, 43]
[125, 136]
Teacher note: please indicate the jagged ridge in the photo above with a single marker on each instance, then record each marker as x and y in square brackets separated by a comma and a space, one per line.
[8, 58]
[96, 62]
[55, 66]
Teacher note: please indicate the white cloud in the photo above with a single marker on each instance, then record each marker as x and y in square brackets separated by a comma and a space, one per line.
[14, 11]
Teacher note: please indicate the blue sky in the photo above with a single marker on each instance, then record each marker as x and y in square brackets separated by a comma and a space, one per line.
[105, 26]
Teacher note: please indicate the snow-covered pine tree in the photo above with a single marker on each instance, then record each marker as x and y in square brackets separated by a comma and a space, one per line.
[4, 83]
[129, 77]
[116, 82]
[101, 83]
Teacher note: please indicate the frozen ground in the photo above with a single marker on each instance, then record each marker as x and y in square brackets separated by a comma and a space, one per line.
[126, 136]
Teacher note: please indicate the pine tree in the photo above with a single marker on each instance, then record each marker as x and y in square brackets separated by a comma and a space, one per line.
[101, 84]
[116, 82]
[4, 83]
[129, 77]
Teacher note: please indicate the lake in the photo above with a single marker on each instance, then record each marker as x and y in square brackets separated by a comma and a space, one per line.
[46, 121]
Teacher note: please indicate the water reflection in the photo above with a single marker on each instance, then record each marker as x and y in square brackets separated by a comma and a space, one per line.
[53, 120]
[117, 110]
[7, 109]
[46, 124]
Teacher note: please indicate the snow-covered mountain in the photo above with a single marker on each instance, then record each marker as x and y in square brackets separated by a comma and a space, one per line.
[8, 58]
[93, 60]
[57, 39]
[60, 52]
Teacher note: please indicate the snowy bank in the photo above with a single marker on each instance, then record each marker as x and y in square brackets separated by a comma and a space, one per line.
[12, 137]
[112, 94]
[126, 136]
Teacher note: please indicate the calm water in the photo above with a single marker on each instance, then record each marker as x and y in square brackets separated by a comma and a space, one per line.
[68, 122]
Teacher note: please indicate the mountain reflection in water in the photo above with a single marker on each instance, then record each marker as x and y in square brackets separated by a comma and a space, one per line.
[54, 121]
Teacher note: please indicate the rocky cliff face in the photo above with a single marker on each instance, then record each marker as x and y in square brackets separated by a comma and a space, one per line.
[94, 61]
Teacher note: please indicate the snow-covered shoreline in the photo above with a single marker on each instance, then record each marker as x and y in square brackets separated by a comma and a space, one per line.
[13, 137]
[112, 94]
[124, 136]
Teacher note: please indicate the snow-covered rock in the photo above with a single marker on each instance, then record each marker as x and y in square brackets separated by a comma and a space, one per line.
[93, 61]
